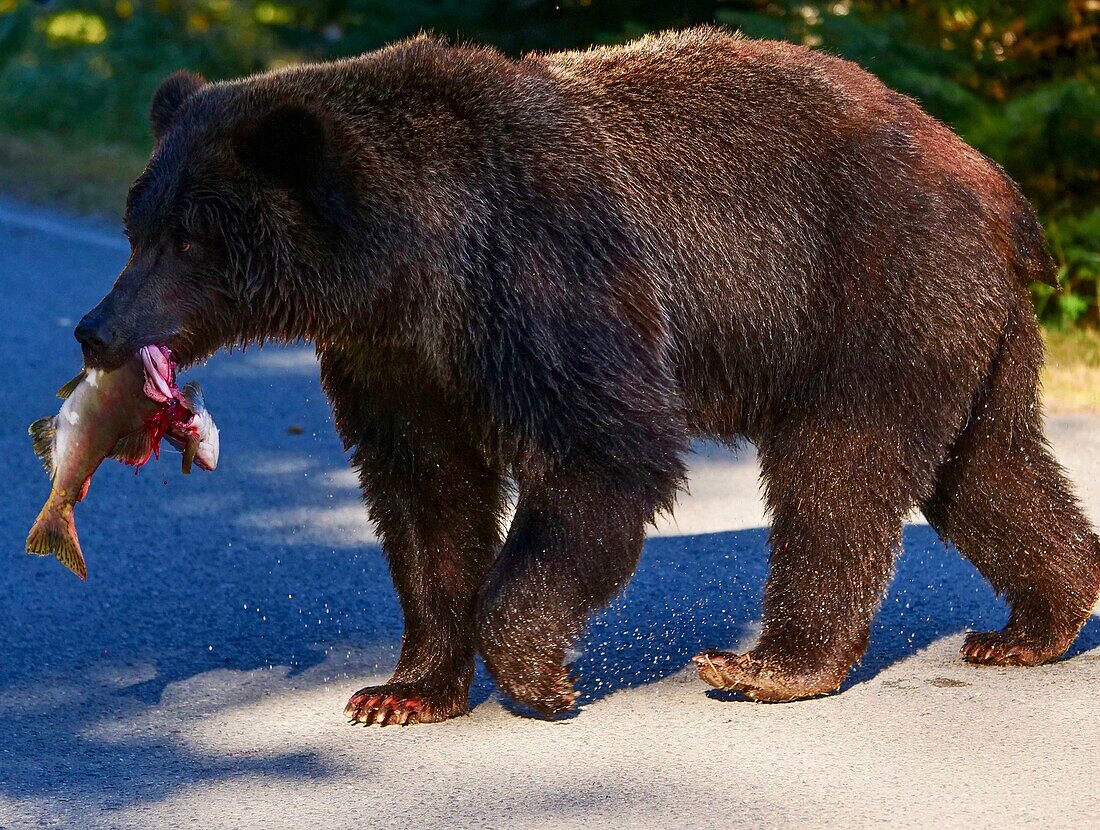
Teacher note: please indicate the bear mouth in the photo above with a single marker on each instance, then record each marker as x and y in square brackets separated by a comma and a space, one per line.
[160, 373]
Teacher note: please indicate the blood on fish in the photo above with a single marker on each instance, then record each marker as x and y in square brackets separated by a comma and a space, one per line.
[175, 413]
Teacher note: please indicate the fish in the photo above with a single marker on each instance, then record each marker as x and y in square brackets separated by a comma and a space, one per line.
[122, 414]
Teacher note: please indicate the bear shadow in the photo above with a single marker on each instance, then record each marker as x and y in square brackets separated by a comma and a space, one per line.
[705, 591]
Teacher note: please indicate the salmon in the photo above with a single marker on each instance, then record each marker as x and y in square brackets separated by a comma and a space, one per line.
[122, 414]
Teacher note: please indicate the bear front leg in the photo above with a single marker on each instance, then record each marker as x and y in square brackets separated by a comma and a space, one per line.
[573, 544]
[437, 508]
[838, 494]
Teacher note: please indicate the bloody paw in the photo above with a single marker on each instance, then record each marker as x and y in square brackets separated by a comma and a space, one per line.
[401, 704]
[761, 680]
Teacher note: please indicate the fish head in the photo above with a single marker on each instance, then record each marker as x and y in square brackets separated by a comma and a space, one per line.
[209, 443]
[202, 428]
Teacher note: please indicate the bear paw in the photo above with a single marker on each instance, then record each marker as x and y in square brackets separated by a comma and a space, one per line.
[761, 680]
[401, 704]
[1011, 648]
[550, 692]
[557, 696]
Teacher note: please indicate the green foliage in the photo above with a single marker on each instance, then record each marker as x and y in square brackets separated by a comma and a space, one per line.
[1073, 241]
[88, 70]
[1020, 81]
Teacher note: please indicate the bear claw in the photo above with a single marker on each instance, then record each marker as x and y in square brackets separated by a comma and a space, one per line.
[1008, 648]
[550, 693]
[759, 680]
[559, 697]
[398, 705]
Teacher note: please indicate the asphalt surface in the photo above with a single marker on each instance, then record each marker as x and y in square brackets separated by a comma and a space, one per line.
[197, 679]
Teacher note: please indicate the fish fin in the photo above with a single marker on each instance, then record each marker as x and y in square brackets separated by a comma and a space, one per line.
[189, 454]
[134, 449]
[42, 432]
[192, 394]
[54, 531]
[68, 388]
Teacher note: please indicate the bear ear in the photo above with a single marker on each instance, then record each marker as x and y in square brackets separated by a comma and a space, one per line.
[288, 144]
[169, 97]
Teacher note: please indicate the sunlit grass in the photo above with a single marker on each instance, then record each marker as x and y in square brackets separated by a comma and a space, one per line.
[1071, 379]
[273, 14]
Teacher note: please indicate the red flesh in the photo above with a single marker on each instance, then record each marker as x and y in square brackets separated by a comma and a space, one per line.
[173, 417]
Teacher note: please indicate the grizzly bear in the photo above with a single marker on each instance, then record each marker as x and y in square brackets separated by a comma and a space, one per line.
[553, 273]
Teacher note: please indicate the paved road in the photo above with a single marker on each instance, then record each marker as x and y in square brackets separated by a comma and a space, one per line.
[197, 679]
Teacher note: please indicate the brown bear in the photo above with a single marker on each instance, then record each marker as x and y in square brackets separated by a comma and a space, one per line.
[553, 273]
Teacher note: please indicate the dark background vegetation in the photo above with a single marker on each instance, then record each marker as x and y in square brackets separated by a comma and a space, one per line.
[1019, 80]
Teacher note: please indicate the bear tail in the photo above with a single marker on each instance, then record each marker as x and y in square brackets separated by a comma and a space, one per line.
[1030, 256]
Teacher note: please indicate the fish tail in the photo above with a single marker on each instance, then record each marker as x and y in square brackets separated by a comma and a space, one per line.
[54, 531]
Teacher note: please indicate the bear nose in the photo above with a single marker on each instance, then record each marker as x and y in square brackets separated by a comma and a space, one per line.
[94, 336]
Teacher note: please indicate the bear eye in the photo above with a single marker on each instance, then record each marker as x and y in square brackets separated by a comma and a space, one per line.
[184, 245]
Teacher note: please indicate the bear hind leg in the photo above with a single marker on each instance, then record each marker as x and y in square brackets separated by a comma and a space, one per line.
[838, 493]
[1005, 503]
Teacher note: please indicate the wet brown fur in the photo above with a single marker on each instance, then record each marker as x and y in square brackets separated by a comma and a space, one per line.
[555, 272]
